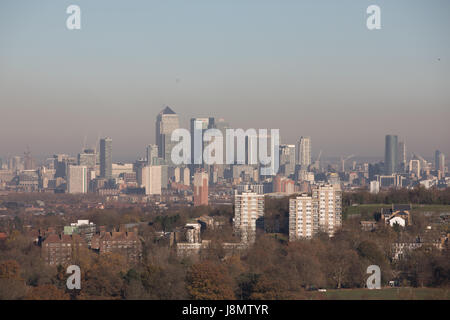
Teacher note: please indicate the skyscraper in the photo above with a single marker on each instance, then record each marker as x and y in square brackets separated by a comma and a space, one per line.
[106, 158]
[198, 127]
[151, 154]
[77, 179]
[390, 155]
[439, 161]
[401, 158]
[166, 122]
[287, 159]
[303, 157]
[200, 188]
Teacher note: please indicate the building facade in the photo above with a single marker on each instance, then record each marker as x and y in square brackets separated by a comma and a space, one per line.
[106, 158]
[302, 217]
[77, 179]
[390, 155]
[303, 157]
[248, 212]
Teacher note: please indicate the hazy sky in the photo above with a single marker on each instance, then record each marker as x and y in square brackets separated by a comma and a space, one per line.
[305, 67]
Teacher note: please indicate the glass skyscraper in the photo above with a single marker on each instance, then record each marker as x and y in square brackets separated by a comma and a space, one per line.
[166, 122]
[106, 158]
[390, 155]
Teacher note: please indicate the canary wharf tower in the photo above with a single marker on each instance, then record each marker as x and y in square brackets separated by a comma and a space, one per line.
[166, 122]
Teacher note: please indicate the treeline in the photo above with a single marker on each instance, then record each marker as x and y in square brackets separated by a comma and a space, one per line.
[418, 195]
[271, 269]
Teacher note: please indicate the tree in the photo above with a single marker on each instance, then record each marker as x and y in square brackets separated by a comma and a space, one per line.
[209, 281]
[12, 286]
[47, 292]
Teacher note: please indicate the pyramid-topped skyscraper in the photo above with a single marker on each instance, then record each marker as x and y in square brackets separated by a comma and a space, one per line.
[166, 122]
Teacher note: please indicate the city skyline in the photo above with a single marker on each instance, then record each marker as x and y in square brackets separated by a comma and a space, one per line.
[313, 152]
[287, 70]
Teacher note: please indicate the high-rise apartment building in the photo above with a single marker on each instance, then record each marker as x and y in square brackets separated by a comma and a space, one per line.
[166, 122]
[329, 207]
[77, 179]
[200, 188]
[302, 217]
[390, 155]
[248, 212]
[303, 155]
[106, 158]
[322, 211]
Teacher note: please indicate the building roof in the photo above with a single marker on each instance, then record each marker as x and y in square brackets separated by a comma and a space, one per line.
[402, 207]
[55, 238]
[167, 110]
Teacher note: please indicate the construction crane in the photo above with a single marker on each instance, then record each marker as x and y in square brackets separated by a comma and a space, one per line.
[343, 162]
[316, 164]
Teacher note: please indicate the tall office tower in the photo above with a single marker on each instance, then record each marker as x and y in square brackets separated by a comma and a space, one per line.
[248, 212]
[414, 167]
[401, 157]
[287, 159]
[149, 178]
[198, 127]
[151, 154]
[439, 161]
[200, 188]
[302, 217]
[328, 199]
[303, 156]
[390, 155]
[77, 179]
[221, 125]
[166, 122]
[88, 158]
[186, 176]
[106, 158]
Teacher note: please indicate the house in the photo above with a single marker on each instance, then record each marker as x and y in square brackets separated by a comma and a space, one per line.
[399, 249]
[397, 214]
[122, 242]
[61, 249]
